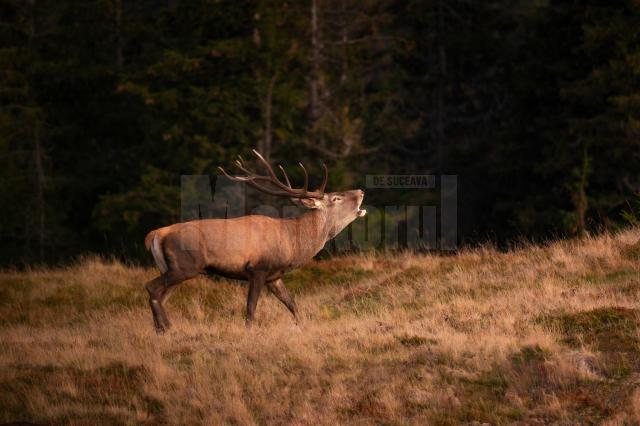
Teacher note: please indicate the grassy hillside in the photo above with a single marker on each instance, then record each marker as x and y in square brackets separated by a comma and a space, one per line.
[535, 336]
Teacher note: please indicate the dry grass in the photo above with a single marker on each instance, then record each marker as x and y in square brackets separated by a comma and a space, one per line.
[538, 335]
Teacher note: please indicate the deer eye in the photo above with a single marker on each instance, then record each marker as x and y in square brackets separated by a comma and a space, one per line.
[336, 199]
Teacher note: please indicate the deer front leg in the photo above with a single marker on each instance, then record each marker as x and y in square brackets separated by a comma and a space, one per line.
[256, 281]
[278, 289]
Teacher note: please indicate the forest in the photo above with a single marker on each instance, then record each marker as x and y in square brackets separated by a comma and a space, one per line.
[105, 104]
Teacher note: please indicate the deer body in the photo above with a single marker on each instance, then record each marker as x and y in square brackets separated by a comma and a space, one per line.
[258, 249]
[228, 247]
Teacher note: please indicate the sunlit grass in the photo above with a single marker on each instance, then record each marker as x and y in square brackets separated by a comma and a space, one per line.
[538, 334]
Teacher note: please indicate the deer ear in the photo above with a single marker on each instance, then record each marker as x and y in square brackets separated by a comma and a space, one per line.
[310, 203]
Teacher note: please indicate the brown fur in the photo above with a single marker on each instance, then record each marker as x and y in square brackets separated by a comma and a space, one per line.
[258, 249]
[149, 239]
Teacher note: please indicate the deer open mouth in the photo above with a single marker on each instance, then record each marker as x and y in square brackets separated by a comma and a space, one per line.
[360, 211]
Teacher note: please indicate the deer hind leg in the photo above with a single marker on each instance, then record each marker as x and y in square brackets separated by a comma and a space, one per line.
[256, 281]
[278, 289]
[159, 289]
[154, 288]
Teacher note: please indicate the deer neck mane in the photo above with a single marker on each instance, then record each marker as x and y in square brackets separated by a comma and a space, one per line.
[315, 224]
[313, 229]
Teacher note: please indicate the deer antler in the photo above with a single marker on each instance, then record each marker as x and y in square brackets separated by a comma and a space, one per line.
[284, 189]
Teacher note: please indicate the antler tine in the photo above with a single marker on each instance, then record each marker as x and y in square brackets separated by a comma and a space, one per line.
[240, 165]
[266, 164]
[247, 179]
[250, 180]
[267, 190]
[250, 175]
[322, 187]
[286, 178]
[283, 189]
[306, 177]
[231, 177]
[273, 175]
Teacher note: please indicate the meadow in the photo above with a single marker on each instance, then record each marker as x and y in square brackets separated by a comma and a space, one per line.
[535, 335]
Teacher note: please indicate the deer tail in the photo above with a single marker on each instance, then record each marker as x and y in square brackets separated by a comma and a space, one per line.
[148, 240]
[153, 243]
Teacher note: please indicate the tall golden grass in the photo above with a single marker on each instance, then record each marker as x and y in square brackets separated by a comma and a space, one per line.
[536, 335]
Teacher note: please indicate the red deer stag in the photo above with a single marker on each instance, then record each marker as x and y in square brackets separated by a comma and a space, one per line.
[258, 249]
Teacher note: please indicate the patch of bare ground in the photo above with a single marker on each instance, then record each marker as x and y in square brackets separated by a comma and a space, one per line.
[538, 335]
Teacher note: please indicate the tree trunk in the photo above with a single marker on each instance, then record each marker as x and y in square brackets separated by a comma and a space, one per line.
[119, 40]
[315, 62]
[580, 200]
[38, 158]
[345, 41]
[440, 88]
[267, 140]
[38, 154]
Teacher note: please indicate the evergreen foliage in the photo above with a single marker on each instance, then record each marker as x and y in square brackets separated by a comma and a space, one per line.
[104, 104]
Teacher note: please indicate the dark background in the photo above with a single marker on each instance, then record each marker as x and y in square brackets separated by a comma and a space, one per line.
[104, 104]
